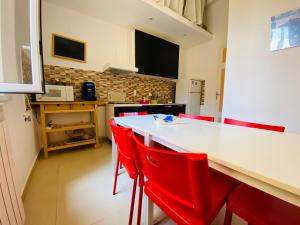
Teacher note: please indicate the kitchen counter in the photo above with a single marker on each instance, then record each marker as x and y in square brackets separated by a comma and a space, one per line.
[137, 104]
[99, 103]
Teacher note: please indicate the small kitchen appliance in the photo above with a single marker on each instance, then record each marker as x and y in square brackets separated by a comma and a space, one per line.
[88, 91]
[56, 93]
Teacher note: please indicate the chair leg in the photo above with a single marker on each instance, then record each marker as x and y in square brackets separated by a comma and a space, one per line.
[228, 217]
[116, 176]
[141, 184]
[132, 201]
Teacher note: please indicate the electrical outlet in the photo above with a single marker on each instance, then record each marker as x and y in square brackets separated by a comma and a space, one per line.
[134, 93]
[27, 117]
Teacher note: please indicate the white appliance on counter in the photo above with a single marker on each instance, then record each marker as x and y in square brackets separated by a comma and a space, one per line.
[115, 96]
[188, 91]
[57, 93]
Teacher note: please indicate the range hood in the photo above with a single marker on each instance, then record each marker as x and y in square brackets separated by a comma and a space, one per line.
[119, 69]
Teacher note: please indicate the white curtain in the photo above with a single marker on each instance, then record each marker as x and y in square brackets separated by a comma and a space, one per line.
[194, 10]
[175, 5]
[190, 9]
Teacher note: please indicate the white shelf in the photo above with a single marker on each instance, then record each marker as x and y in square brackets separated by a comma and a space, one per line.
[145, 15]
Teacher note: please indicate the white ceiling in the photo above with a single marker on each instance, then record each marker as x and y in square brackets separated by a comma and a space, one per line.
[135, 14]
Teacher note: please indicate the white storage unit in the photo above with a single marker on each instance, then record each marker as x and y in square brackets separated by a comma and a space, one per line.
[11, 206]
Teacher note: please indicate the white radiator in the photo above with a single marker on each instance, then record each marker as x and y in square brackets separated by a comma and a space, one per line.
[11, 207]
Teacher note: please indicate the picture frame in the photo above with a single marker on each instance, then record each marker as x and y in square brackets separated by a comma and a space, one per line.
[285, 30]
[68, 48]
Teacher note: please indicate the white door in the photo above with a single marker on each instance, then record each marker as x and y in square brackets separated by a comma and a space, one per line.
[220, 91]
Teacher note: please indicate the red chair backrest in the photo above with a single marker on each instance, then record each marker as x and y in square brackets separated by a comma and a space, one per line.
[206, 118]
[183, 177]
[254, 125]
[132, 114]
[123, 142]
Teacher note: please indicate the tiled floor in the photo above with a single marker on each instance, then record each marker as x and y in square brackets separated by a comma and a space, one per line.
[74, 187]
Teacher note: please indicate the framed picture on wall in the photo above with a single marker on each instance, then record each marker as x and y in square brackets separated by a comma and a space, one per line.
[285, 30]
[68, 48]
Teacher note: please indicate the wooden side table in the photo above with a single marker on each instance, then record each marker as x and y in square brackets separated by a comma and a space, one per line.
[47, 108]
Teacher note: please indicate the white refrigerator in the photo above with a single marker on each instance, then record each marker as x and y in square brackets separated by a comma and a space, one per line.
[188, 91]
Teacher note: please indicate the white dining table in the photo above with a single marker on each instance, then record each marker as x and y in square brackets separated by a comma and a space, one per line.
[267, 160]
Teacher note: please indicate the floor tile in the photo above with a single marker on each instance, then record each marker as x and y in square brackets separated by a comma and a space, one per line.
[74, 187]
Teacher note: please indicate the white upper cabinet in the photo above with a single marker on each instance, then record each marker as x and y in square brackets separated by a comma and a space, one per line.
[20, 44]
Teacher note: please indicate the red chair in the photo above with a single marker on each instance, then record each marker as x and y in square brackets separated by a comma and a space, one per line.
[180, 184]
[254, 125]
[206, 118]
[132, 114]
[125, 158]
[260, 208]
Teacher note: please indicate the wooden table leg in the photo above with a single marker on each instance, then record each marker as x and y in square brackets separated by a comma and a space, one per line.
[148, 206]
[44, 133]
[96, 125]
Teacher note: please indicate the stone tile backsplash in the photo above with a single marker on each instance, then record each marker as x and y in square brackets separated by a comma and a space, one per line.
[105, 82]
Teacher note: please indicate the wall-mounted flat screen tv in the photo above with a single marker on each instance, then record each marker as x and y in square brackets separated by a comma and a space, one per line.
[68, 48]
[155, 56]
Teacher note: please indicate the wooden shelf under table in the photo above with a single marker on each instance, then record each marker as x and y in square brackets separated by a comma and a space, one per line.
[47, 108]
[69, 111]
[75, 144]
[73, 127]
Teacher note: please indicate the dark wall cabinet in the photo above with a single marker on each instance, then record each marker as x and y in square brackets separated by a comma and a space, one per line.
[174, 109]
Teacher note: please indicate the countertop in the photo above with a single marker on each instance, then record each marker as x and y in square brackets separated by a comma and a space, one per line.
[137, 104]
[101, 103]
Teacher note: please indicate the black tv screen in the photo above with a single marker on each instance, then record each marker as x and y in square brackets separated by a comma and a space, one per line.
[68, 48]
[155, 56]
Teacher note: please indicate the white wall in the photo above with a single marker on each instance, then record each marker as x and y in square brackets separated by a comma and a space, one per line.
[23, 138]
[261, 85]
[105, 42]
[203, 61]
[22, 135]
